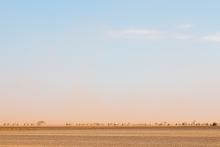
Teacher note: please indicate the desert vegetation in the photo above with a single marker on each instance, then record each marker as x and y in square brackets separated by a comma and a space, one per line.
[112, 124]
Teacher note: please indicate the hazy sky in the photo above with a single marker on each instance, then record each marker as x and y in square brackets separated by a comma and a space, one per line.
[115, 60]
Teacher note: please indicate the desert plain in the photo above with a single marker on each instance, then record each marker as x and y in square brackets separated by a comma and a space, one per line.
[110, 137]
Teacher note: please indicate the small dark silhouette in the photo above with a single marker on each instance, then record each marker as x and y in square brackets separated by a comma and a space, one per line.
[214, 124]
[41, 123]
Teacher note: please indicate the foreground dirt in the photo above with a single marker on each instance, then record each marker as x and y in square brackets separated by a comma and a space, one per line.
[119, 137]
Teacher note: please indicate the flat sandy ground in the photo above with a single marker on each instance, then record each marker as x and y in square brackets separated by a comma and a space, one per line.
[114, 137]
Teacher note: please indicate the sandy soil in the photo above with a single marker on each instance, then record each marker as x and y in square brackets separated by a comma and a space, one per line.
[123, 137]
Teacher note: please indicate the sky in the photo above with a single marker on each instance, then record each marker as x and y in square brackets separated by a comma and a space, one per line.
[118, 60]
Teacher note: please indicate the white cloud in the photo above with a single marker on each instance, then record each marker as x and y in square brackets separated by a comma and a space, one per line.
[150, 34]
[212, 38]
[183, 36]
[185, 26]
[137, 33]
[157, 34]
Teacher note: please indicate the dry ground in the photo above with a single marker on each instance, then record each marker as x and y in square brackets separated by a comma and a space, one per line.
[111, 137]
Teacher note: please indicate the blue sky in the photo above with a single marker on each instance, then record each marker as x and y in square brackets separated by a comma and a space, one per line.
[143, 60]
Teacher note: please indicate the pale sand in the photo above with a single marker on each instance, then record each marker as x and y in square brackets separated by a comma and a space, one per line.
[127, 137]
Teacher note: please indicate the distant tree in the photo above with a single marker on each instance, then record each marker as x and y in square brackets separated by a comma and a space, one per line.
[214, 124]
[68, 124]
[184, 124]
[41, 123]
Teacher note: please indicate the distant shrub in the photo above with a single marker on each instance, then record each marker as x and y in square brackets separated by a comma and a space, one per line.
[41, 123]
[214, 124]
